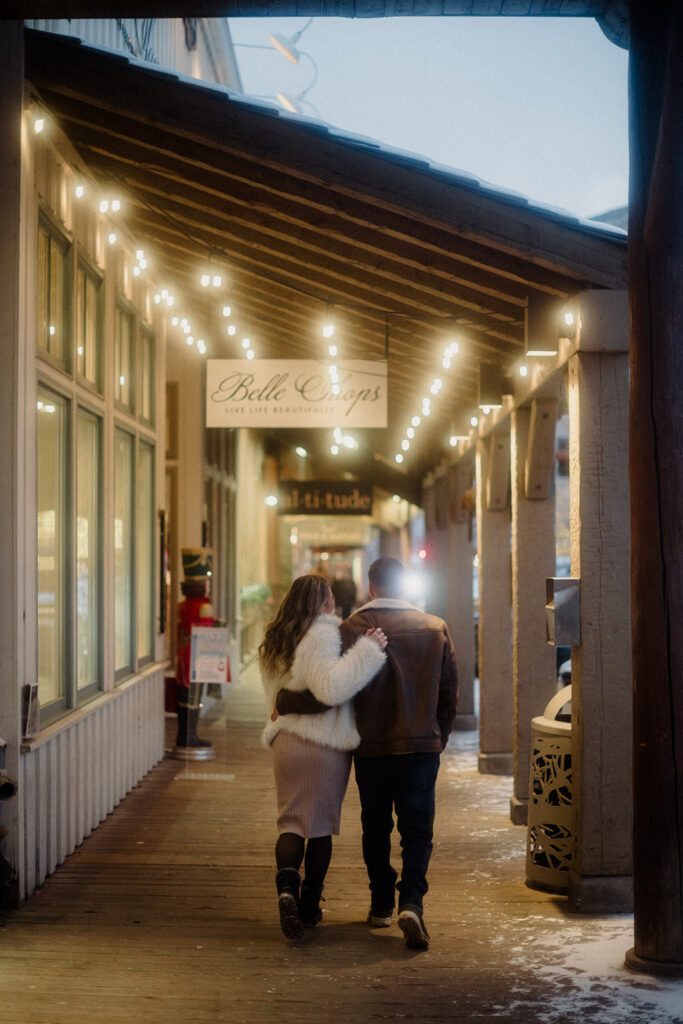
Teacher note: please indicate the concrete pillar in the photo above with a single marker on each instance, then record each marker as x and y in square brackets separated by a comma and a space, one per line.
[600, 878]
[460, 598]
[495, 613]
[532, 457]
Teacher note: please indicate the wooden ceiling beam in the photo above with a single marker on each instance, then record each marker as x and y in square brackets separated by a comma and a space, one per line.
[329, 280]
[479, 264]
[277, 201]
[196, 112]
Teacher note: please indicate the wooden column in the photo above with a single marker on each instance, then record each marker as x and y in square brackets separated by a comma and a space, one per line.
[460, 616]
[656, 474]
[532, 457]
[600, 878]
[495, 614]
[14, 449]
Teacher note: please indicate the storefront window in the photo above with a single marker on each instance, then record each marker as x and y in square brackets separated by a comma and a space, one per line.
[123, 358]
[88, 551]
[51, 542]
[51, 295]
[145, 552]
[88, 326]
[123, 552]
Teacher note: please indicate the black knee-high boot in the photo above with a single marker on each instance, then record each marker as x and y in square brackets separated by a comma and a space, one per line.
[309, 904]
[288, 881]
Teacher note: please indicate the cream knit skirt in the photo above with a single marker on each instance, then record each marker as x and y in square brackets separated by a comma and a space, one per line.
[310, 781]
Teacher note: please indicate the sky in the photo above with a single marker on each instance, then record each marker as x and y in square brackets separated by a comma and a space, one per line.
[538, 105]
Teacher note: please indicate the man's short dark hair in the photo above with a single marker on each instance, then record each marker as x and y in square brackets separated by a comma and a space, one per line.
[386, 575]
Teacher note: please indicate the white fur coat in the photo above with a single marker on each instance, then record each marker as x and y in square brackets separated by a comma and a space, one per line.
[332, 677]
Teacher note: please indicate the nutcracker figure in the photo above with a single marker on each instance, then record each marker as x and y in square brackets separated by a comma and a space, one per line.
[195, 610]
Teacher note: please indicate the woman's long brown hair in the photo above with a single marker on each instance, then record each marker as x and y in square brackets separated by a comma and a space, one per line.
[300, 606]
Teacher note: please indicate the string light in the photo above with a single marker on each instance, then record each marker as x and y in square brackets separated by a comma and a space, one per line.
[227, 310]
[112, 238]
[79, 191]
[398, 458]
[232, 330]
[474, 421]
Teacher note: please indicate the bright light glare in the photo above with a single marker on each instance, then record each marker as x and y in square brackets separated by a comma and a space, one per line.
[398, 458]
[301, 452]
[271, 500]
[328, 330]
[524, 371]
[416, 421]
[414, 586]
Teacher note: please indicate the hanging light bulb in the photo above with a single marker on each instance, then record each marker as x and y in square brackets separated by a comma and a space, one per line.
[416, 421]
[38, 124]
[328, 331]
[112, 238]
[232, 330]
[189, 340]
[116, 205]
[227, 310]
[335, 449]
[333, 351]
[474, 421]
[410, 432]
[216, 280]
[524, 370]
[246, 343]
[398, 458]
[405, 445]
[205, 280]
[79, 191]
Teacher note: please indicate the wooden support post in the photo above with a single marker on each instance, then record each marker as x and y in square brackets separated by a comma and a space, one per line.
[600, 877]
[533, 559]
[460, 615]
[15, 448]
[495, 618]
[656, 474]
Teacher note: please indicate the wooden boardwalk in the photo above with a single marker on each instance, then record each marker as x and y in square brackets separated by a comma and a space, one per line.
[167, 915]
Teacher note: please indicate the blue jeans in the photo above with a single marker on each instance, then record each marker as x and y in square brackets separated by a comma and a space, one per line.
[403, 783]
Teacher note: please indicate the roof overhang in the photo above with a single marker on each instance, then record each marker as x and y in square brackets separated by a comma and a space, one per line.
[303, 217]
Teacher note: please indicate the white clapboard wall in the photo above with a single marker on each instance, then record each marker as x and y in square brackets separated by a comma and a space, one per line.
[74, 778]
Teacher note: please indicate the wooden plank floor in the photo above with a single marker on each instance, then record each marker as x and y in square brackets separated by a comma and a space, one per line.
[167, 914]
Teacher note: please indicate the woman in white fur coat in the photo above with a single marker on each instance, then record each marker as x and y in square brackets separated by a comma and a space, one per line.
[311, 753]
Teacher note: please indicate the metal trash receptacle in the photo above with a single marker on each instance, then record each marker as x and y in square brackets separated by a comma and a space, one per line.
[550, 837]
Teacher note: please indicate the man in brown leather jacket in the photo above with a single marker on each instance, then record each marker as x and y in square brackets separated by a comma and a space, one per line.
[404, 717]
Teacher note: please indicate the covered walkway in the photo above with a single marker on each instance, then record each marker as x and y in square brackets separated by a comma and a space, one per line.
[166, 913]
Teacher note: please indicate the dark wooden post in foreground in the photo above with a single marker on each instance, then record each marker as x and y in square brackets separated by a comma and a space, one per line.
[656, 471]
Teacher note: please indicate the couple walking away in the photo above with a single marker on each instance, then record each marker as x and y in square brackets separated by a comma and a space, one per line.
[379, 687]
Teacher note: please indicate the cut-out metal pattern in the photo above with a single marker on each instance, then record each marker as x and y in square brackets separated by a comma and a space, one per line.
[550, 838]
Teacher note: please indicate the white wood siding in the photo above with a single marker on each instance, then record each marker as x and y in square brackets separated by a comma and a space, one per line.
[75, 776]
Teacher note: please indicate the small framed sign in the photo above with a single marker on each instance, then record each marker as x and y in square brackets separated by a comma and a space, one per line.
[209, 662]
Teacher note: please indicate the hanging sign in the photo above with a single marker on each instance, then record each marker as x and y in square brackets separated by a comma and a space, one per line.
[295, 393]
[324, 498]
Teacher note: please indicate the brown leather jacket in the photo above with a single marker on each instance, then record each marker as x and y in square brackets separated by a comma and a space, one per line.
[410, 704]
